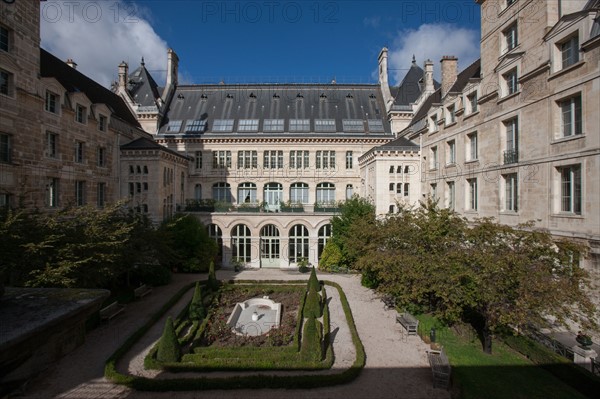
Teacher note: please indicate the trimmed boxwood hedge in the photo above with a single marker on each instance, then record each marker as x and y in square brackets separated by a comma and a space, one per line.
[237, 382]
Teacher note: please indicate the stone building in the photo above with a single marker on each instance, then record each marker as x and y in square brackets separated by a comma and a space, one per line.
[516, 136]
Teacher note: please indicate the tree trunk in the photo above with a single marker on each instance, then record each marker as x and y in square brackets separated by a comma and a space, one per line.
[487, 338]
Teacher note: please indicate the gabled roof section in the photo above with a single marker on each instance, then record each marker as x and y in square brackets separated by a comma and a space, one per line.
[411, 87]
[144, 143]
[400, 142]
[473, 71]
[435, 98]
[141, 86]
[74, 81]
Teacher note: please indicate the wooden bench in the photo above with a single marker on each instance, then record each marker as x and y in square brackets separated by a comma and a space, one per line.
[142, 291]
[409, 322]
[440, 367]
[111, 310]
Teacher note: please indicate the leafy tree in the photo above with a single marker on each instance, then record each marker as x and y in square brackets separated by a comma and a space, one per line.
[331, 258]
[197, 310]
[192, 245]
[168, 346]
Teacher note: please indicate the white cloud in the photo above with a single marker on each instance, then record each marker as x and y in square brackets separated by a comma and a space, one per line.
[98, 35]
[432, 41]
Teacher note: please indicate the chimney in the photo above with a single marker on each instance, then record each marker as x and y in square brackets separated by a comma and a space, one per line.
[123, 71]
[428, 77]
[383, 78]
[449, 72]
[71, 63]
[172, 67]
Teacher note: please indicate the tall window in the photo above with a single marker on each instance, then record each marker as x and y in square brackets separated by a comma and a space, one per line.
[51, 104]
[326, 193]
[511, 154]
[79, 151]
[472, 194]
[221, 192]
[324, 236]
[102, 123]
[399, 188]
[241, 243]
[511, 192]
[198, 160]
[5, 148]
[80, 193]
[198, 192]
[221, 159]
[472, 146]
[247, 160]
[52, 191]
[406, 189]
[472, 102]
[80, 113]
[433, 162]
[4, 39]
[247, 193]
[6, 82]
[433, 126]
[511, 37]
[299, 160]
[391, 186]
[433, 191]
[571, 116]
[100, 194]
[570, 181]
[451, 195]
[298, 243]
[273, 160]
[349, 160]
[349, 191]
[511, 81]
[451, 152]
[299, 193]
[451, 114]
[101, 157]
[325, 160]
[570, 51]
[273, 196]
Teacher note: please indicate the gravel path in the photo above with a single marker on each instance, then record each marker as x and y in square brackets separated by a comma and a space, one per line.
[396, 364]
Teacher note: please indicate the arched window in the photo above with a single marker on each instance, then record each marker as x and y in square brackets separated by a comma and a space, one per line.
[221, 192]
[269, 242]
[325, 193]
[324, 236]
[198, 192]
[240, 243]
[349, 191]
[246, 193]
[298, 243]
[299, 193]
[273, 195]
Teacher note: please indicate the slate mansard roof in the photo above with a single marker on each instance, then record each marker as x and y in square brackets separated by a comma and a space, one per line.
[306, 109]
[142, 87]
[74, 81]
[411, 87]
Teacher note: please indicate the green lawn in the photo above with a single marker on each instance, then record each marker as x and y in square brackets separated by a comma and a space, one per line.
[504, 374]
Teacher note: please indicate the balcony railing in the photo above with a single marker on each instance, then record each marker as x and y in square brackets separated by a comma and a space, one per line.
[511, 156]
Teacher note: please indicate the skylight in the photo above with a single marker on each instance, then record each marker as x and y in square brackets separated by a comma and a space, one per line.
[223, 125]
[273, 125]
[195, 125]
[174, 126]
[353, 125]
[375, 125]
[299, 125]
[325, 125]
[248, 125]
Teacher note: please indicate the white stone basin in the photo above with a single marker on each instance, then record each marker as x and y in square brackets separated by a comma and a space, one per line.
[268, 316]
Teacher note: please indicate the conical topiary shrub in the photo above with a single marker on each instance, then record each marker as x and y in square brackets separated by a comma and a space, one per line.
[313, 281]
[312, 306]
[197, 310]
[311, 341]
[168, 347]
[213, 283]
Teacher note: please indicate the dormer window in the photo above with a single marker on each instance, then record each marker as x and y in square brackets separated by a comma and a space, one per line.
[102, 123]
[451, 115]
[80, 114]
[51, 104]
[511, 82]
[174, 126]
[570, 51]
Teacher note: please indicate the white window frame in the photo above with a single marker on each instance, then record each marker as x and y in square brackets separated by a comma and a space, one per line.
[511, 192]
[571, 116]
[472, 146]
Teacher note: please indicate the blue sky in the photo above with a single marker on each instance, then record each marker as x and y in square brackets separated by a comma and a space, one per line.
[260, 41]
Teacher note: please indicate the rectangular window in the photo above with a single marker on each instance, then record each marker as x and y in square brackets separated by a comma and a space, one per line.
[4, 200]
[102, 123]
[223, 125]
[195, 126]
[273, 160]
[101, 195]
[433, 162]
[299, 160]
[570, 51]
[80, 193]
[299, 125]
[6, 82]
[51, 104]
[472, 101]
[511, 155]
[79, 151]
[433, 191]
[434, 123]
[375, 125]
[570, 181]
[472, 194]
[571, 116]
[406, 189]
[52, 193]
[131, 189]
[51, 145]
[451, 195]
[3, 39]
[5, 148]
[174, 126]
[451, 152]
[325, 125]
[510, 192]
[221, 159]
[349, 160]
[80, 114]
[353, 125]
[325, 160]
[101, 156]
[198, 160]
[472, 149]
[511, 81]
[399, 188]
[248, 125]
[273, 125]
[511, 37]
[451, 115]
[247, 160]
